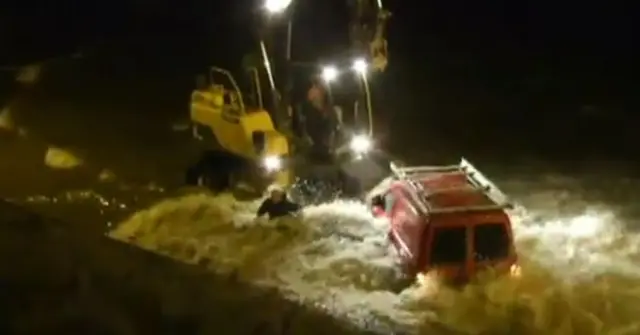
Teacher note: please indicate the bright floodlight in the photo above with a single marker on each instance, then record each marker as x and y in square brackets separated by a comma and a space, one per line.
[360, 66]
[276, 6]
[360, 144]
[272, 163]
[329, 73]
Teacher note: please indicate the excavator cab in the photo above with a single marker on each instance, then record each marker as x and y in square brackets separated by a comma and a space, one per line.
[239, 143]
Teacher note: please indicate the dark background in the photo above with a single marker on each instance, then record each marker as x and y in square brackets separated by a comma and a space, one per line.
[554, 80]
[545, 81]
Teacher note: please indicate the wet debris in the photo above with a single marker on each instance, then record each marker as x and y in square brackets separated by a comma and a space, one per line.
[106, 176]
[59, 158]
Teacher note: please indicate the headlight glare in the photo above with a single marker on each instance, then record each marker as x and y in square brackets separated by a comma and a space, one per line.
[360, 144]
[272, 163]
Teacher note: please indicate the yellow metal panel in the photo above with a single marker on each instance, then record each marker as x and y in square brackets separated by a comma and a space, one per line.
[234, 130]
[226, 127]
[277, 144]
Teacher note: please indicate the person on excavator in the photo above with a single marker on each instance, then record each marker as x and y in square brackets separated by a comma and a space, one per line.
[277, 204]
[320, 119]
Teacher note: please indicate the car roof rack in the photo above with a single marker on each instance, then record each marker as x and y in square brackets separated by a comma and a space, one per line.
[480, 183]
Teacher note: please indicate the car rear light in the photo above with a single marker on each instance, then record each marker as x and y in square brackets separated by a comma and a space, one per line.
[515, 270]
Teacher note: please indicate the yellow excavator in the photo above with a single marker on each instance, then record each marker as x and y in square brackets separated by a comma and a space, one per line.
[242, 149]
[241, 145]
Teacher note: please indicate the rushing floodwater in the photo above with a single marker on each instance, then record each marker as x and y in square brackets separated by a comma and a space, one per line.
[579, 256]
[577, 239]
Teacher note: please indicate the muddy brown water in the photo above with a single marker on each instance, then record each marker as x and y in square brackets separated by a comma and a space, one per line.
[148, 166]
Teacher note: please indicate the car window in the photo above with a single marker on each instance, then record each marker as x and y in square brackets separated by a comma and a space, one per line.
[389, 201]
[491, 241]
[449, 245]
[378, 201]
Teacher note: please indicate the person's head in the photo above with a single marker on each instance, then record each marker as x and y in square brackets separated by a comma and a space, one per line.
[276, 193]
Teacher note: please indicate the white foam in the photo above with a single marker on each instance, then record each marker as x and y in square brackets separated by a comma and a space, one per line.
[579, 275]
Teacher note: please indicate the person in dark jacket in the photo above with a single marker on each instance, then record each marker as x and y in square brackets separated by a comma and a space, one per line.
[321, 121]
[277, 205]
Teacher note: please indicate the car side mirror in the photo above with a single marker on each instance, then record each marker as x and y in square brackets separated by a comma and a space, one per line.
[377, 211]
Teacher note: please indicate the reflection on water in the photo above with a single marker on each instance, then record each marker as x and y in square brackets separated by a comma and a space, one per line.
[94, 209]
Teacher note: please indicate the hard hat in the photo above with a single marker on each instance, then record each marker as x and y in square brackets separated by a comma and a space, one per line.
[275, 189]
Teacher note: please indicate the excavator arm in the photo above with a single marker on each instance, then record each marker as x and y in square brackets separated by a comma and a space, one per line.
[368, 31]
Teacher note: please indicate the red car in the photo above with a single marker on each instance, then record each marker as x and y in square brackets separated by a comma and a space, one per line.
[446, 220]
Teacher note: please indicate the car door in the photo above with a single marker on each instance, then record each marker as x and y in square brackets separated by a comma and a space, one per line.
[409, 224]
[491, 246]
[383, 206]
[400, 218]
[449, 249]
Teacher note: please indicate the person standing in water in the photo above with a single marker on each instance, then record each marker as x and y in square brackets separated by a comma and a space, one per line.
[277, 204]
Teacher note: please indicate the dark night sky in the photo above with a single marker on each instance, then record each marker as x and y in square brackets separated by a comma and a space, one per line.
[583, 40]
[469, 31]
[462, 58]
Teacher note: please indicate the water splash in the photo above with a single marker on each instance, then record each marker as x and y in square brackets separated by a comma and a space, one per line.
[578, 271]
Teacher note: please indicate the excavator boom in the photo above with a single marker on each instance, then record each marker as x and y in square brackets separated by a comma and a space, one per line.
[368, 31]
